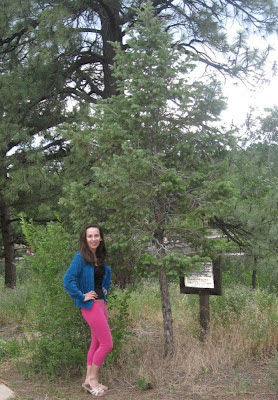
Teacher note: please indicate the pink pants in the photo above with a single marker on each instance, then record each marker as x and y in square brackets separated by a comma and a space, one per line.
[101, 344]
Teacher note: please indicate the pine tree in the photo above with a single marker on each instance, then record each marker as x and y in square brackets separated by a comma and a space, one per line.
[151, 174]
[30, 105]
[255, 174]
[53, 52]
[202, 28]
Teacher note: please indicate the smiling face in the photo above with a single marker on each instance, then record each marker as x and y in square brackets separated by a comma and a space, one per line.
[93, 239]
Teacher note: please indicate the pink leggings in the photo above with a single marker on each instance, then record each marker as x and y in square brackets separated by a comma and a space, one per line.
[101, 344]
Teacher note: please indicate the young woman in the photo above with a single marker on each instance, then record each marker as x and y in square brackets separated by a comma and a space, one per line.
[87, 281]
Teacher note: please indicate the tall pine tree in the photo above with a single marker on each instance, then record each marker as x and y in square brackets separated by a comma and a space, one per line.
[151, 175]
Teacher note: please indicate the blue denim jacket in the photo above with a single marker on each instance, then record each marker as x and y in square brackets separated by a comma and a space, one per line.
[80, 279]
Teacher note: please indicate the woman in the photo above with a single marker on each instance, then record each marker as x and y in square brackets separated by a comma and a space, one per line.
[87, 281]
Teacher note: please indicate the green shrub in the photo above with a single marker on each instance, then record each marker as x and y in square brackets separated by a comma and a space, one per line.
[56, 338]
[239, 300]
[236, 270]
[143, 383]
[239, 270]
[60, 337]
[10, 349]
[119, 321]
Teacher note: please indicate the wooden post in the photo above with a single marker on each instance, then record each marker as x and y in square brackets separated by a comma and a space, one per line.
[204, 315]
[205, 283]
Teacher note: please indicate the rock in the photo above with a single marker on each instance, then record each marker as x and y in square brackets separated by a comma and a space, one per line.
[6, 393]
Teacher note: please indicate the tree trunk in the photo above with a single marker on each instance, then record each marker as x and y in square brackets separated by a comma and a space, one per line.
[163, 282]
[111, 32]
[254, 274]
[167, 315]
[7, 236]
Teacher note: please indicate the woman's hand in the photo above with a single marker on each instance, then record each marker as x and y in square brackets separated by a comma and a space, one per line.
[90, 295]
[104, 291]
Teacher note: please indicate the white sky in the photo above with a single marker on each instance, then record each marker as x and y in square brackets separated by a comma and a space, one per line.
[240, 98]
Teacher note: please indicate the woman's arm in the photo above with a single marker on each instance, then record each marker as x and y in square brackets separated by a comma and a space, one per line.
[71, 278]
[107, 279]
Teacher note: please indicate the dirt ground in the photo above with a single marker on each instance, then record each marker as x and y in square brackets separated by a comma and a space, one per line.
[257, 380]
[251, 382]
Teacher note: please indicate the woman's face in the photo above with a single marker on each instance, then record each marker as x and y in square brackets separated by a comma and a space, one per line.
[93, 238]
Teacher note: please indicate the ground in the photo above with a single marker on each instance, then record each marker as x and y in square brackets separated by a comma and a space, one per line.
[251, 382]
[255, 380]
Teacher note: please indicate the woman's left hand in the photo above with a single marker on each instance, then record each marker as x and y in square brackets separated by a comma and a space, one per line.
[104, 291]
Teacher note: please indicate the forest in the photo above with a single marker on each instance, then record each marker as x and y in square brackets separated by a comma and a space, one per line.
[111, 113]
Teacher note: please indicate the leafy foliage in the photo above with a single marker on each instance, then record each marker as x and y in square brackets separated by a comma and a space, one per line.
[153, 156]
[59, 336]
[10, 349]
[154, 148]
[253, 170]
[119, 321]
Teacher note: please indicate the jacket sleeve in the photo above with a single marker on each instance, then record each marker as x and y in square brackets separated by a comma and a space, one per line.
[71, 278]
[107, 280]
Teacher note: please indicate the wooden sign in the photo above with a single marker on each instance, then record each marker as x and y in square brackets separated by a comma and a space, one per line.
[206, 281]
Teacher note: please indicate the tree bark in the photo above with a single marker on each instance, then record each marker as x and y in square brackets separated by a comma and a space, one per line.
[167, 315]
[254, 274]
[111, 32]
[163, 280]
[8, 242]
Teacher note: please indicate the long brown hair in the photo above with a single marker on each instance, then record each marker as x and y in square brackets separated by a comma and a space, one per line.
[86, 253]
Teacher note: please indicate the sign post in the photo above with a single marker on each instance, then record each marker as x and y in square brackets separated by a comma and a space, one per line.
[204, 315]
[204, 283]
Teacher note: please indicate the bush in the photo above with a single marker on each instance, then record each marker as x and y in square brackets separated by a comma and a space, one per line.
[57, 338]
[60, 337]
[119, 321]
[10, 349]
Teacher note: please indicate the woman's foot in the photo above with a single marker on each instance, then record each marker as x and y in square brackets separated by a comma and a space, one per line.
[95, 384]
[103, 387]
[94, 390]
[86, 386]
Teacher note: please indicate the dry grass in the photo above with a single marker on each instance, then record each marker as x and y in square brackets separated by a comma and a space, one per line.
[247, 333]
[229, 365]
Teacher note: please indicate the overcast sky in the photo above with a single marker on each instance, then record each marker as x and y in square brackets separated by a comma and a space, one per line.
[240, 98]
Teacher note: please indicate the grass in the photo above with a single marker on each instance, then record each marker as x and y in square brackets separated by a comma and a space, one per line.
[244, 327]
[273, 372]
[14, 304]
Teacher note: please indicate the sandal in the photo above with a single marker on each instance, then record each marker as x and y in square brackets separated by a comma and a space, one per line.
[103, 387]
[95, 392]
